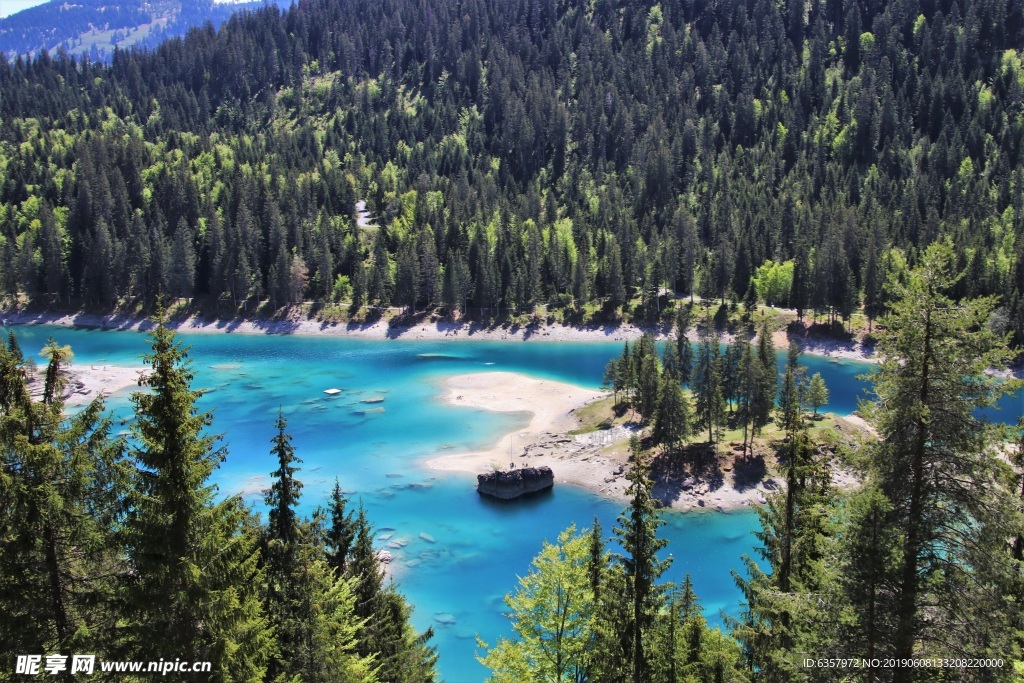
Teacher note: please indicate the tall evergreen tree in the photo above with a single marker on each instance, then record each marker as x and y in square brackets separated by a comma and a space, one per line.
[341, 530]
[194, 560]
[311, 609]
[637, 533]
[62, 499]
[684, 349]
[709, 407]
[936, 461]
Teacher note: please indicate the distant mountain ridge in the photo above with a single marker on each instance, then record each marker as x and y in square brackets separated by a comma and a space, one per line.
[96, 27]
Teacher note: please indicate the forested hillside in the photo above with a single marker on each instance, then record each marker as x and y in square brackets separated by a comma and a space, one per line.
[525, 151]
[96, 27]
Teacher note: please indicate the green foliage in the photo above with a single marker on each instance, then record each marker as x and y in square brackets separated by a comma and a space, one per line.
[62, 499]
[709, 406]
[195, 558]
[817, 392]
[826, 147]
[937, 465]
[582, 614]
[552, 612]
[137, 557]
[773, 282]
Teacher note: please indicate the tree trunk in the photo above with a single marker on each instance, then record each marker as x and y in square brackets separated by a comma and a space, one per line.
[907, 607]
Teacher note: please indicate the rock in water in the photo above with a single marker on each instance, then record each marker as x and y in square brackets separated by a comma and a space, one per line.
[509, 484]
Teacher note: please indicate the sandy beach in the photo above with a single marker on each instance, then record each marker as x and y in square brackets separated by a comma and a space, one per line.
[86, 382]
[595, 460]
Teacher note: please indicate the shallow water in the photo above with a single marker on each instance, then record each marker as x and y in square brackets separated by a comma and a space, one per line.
[455, 554]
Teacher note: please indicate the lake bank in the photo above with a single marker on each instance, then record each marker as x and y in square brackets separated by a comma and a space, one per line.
[422, 331]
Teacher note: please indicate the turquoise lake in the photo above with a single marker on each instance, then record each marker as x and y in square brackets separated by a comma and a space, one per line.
[471, 550]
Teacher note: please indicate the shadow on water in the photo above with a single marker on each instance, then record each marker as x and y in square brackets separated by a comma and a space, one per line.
[524, 503]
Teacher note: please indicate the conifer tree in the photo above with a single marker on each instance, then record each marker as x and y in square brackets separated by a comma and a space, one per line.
[791, 391]
[283, 495]
[194, 560]
[748, 385]
[311, 609]
[62, 499]
[648, 376]
[401, 654]
[673, 421]
[684, 350]
[341, 531]
[936, 461]
[637, 533]
[764, 401]
[781, 605]
[817, 392]
[709, 405]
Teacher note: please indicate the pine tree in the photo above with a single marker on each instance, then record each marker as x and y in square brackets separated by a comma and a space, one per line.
[748, 387]
[709, 407]
[401, 654]
[673, 421]
[684, 350]
[342, 530]
[194, 560]
[817, 392]
[936, 461]
[648, 376]
[283, 495]
[637, 533]
[764, 401]
[784, 612]
[62, 499]
[311, 609]
[731, 371]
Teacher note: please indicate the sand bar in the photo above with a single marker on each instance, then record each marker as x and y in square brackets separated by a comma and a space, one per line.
[86, 382]
[591, 460]
[549, 403]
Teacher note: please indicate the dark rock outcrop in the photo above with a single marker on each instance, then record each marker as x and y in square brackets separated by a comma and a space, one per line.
[514, 483]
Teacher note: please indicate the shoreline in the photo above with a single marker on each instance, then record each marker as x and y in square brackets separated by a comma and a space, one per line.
[595, 461]
[423, 331]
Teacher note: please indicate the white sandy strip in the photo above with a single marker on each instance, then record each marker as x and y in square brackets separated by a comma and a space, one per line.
[550, 404]
[428, 330]
[86, 382]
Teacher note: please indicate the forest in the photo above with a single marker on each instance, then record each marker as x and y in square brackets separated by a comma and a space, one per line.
[523, 153]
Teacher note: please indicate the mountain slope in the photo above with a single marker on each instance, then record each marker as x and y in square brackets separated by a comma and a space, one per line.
[525, 152]
[96, 27]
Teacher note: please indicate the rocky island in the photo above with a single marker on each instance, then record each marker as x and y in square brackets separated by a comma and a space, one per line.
[509, 484]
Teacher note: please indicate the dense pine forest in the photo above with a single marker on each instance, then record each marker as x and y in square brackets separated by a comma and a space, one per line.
[518, 153]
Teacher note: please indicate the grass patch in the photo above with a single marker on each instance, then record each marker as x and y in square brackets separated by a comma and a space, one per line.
[600, 415]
